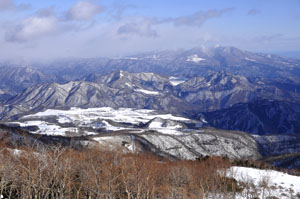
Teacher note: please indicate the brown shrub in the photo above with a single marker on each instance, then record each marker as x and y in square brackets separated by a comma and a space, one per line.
[97, 173]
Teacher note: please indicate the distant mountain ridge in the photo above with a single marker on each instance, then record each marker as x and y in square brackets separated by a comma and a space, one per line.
[15, 79]
[200, 61]
[259, 117]
[220, 82]
[217, 98]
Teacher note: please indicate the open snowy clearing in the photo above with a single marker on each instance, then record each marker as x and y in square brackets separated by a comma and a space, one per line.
[128, 115]
[98, 118]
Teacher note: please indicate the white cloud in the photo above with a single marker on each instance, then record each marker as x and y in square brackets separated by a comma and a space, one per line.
[51, 32]
[139, 26]
[119, 8]
[198, 18]
[46, 22]
[6, 5]
[143, 26]
[46, 12]
[83, 10]
[32, 27]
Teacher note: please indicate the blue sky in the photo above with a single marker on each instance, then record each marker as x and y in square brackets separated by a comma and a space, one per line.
[33, 30]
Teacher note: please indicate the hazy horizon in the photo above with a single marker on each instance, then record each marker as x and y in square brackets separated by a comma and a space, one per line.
[37, 61]
[49, 30]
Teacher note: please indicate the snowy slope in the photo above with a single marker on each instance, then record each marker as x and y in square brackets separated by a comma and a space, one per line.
[267, 183]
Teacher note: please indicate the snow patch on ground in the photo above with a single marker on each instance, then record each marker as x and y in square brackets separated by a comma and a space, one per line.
[121, 74]
[132, 58]
[195, 59]
[155, 56]
[46, 128]
[114, 141]
[147, 92]
[155, 124]
[249, 59]
[278, 184]
[273, 138]
[176, 80]
[160, 127]
[129, 85]
[168, 131]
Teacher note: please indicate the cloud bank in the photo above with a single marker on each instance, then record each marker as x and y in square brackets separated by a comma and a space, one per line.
[84, 10]
[32, 28]
[9, 5]
[89, 28]
[198, 18]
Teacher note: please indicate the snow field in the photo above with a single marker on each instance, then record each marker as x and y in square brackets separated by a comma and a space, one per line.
[86, 118]
[267, 183]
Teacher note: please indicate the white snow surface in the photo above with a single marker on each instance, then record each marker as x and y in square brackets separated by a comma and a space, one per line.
[273, 138]
[128, 115]
[169, 129]
[121, 74]
[279, 184]
[170, 134]
[195, 59]
[132, 58]
[155, 124]
[147, 92]
[50, 128]
[249, 59]
[176, 80]
[88, 117]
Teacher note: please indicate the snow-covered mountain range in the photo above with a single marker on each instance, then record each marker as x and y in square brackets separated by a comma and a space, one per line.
[208, 88]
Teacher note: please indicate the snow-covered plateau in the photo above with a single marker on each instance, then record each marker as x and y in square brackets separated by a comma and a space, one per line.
[142, 130]
[106, 118]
